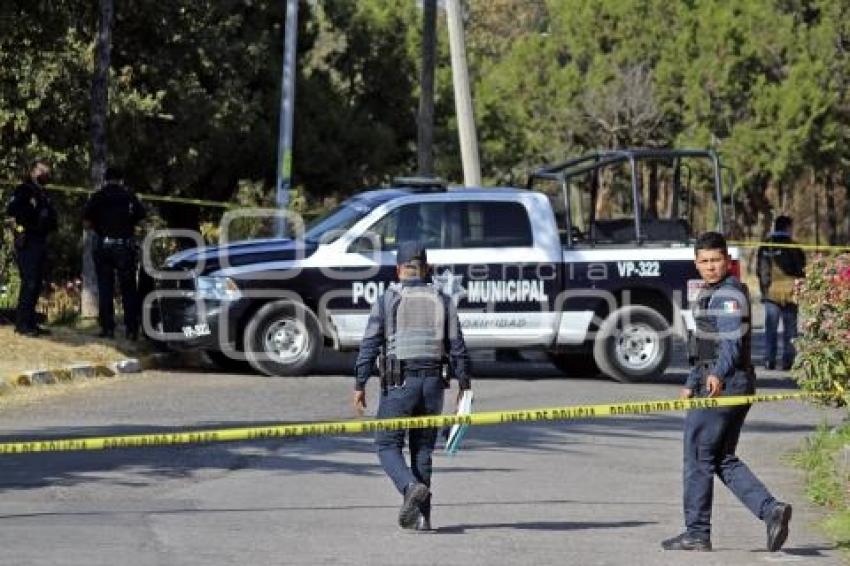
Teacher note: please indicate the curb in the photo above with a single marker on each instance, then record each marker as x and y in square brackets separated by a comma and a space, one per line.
[77, 372]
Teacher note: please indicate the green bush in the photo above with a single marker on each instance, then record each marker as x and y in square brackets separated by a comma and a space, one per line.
[823, 360]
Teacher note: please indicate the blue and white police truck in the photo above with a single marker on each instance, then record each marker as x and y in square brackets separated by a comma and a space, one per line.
[592, 262]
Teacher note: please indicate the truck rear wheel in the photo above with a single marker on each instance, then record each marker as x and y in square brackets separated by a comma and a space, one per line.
[633, 344]
[283, 339]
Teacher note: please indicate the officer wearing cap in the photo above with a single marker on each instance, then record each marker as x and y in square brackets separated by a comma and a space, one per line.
[35, 218]
[412, 329]
[113, 213]
[719, 352]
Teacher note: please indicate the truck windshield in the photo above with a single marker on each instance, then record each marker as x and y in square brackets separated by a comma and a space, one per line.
[328, 227]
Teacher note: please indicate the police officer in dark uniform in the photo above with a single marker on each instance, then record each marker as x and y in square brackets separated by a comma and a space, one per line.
[412, 329]
[113, 213]
[35, 218]
[720, 357]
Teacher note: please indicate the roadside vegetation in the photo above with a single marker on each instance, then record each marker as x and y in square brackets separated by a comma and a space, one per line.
[823, 367]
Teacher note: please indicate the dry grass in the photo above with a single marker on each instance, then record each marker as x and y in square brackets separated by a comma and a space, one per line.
[65, 346]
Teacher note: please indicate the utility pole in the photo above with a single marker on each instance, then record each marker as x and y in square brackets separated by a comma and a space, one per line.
[463, 99]
[425, 141]
[287, 114]
[99, 113]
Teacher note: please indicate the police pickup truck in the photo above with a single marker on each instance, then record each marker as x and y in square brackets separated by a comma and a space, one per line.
[591, 262]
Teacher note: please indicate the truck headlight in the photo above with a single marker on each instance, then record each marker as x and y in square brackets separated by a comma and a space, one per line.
[216, 289]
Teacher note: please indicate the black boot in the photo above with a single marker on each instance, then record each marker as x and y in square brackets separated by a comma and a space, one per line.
[686, 541]
[777, 526]
[414, 496]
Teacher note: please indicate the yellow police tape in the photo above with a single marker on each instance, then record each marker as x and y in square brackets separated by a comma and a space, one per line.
[757, 244]
[573, 412]
[154, 198]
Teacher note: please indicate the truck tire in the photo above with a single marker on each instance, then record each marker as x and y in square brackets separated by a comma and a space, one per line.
[633, 344]
[283, 339]
[575, 364]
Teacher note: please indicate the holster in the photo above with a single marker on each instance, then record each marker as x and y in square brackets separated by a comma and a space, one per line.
[390, 371]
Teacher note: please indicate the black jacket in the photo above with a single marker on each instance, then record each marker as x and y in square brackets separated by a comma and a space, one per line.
[113, 211]
[33, 211]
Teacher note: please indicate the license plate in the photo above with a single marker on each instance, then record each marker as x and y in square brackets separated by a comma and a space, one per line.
[194, 331]
[694, 287]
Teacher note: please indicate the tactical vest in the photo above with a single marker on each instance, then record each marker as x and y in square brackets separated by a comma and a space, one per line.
[703, 343]
[414, 328]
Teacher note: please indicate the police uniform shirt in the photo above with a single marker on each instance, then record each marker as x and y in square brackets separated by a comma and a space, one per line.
[114, 211]
[32, 210]
[722, 314]
[373, 340]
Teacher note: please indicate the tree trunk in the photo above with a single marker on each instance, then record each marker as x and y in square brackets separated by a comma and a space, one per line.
[425, 141]
[99, 109]
[831, 216]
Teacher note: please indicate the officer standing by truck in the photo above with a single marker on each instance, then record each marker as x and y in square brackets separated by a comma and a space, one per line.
[720, 356]
[412, 329]
[35, 218]
[113, 213]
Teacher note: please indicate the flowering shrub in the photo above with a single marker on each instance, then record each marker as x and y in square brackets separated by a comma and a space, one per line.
[62, 302]
[823, 359]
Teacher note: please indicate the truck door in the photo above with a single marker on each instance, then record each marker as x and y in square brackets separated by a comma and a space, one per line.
[505, 284]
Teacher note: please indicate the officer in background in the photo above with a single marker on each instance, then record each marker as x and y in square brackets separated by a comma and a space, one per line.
[778, 269]
[113, 213]
[413, 328]
[35, 218]
[720, 356]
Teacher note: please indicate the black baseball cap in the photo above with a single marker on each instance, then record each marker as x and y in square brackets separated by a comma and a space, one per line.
[409, 252]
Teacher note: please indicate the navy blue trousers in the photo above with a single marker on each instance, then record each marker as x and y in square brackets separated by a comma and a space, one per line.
[417, 397]
[31, 259]
[711, 438]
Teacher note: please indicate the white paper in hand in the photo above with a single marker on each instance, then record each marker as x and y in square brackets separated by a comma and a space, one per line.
[457, 432]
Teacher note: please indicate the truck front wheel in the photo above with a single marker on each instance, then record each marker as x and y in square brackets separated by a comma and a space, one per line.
[283, 339]
[633, 344]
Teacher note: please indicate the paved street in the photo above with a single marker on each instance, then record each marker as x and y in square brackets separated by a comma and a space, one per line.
[590, 492]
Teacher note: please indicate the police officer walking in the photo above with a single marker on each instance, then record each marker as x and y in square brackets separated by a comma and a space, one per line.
[778, 269]
[113, 213]
[35, 218]
[720, 357]
[412, 329]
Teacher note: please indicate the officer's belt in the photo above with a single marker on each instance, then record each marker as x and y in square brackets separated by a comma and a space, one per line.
[434, 372]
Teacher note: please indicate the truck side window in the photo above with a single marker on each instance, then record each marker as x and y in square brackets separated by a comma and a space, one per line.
[422, 222]
[495, 224]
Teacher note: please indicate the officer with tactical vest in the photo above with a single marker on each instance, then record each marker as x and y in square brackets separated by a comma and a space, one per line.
[412, 330]
[778, 269]
[719, 352]
[113, 213]
[34, 219]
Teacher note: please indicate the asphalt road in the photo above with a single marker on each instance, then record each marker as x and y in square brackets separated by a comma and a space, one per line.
[583, 492]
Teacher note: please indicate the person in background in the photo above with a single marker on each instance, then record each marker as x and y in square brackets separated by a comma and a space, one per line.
[778, 268]
[34, 220]
[113, 213]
